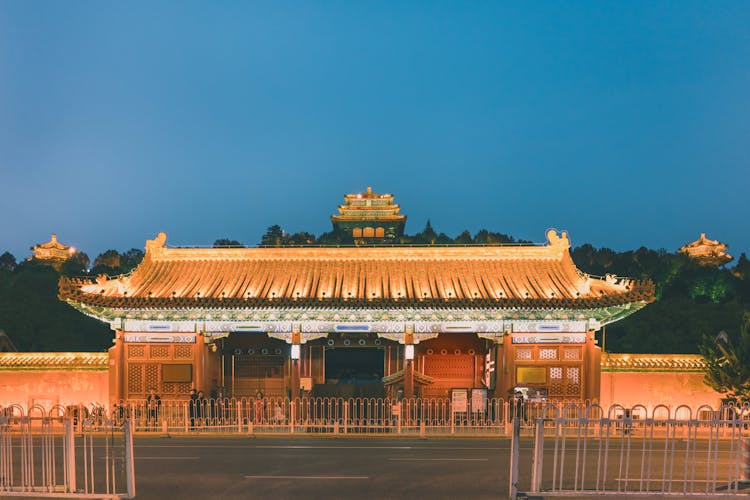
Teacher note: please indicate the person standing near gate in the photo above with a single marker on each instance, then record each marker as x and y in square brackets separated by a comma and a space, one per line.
[192, 406]
[153, 402]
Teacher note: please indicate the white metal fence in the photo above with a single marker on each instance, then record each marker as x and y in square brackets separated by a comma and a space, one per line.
[438, 416]
[312, 415]
[680, 452]
[41, 455]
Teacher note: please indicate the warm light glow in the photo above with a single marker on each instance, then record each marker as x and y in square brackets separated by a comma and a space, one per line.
[409, 351]
[295, 351]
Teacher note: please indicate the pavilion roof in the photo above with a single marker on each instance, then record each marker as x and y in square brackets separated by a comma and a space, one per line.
[54, 360]
[530, 276]
[653, 362]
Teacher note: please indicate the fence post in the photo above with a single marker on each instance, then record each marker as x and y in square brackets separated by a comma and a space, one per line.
[506, 417]
[187, 417]
[422, 429]
[70, 456]
[536, 471]
[164, 428]
[239, 416]
[745, 471]
[291, 417]
[346, 415]
[514, 455]
[129, 461]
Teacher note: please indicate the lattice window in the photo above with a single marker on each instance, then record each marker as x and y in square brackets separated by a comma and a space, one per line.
[152, 376]
[183, 387]
[556, 373]
[573, 380]
[136, 351]
[523, 353]
[159, 352]
[183, 351]
[135, 377]
[571, 353]
[548, 353]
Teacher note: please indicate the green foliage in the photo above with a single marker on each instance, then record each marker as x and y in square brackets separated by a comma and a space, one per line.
[227, 243]
[273, 236]
[113, 263]
[36, 320]
[76, 265]
[727, 360]
[7, 261]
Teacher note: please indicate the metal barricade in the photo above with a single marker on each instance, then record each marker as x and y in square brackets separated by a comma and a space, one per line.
[590, 451]
[39, 456]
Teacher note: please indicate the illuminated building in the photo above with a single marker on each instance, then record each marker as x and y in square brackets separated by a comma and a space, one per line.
[369, 217]
[706, 252]
[308, 320]
[53, 252]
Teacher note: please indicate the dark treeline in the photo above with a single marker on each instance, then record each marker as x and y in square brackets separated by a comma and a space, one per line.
[691, 301]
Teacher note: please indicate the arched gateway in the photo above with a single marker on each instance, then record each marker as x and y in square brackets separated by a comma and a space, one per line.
[357, 321]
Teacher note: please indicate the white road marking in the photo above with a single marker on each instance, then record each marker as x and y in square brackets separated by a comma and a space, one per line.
[307, 477]
[167, 458]
[439, 459]
[310, 447]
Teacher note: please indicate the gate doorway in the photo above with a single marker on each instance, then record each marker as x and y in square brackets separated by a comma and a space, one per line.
[353, 372]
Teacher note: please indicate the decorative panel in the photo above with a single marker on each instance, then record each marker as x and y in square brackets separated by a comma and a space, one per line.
[573, 381]
[152, 376]
[135, 377]
[571, 353]
[136, 351]
[159, 352]
[183, 352]
[548, 353]
[524, 353]
[556, 382]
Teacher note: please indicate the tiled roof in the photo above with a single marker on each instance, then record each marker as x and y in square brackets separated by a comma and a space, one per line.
[534, 276]
[54, 360]
[652, 362]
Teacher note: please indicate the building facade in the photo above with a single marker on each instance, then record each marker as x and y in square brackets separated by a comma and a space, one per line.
[369, 218]
[357, 321]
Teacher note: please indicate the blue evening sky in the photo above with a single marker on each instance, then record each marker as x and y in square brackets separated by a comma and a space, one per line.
[625, 123]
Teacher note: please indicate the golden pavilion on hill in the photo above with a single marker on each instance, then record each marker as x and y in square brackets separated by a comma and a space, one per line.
[706, 252]
[357, 321]
[369, 217]
[52, 252]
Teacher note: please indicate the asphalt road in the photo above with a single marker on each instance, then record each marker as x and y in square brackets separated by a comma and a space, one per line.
[303, 467]
[378, 467]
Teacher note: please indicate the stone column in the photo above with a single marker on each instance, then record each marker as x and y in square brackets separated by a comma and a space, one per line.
[199, 350]
[294, 382]
[408, 365]
[117, 369]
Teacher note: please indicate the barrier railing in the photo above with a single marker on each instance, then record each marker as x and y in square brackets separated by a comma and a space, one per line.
[39, 456]
[678, 452]
[423, 416]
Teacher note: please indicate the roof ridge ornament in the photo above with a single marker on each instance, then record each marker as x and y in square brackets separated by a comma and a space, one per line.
[558, 240]
[156, 246]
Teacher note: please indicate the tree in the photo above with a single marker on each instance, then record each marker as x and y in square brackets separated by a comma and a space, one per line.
[226, 242]
[464, 238]
[273, 237]
[427, 236]
[109, 258]
[76, 265]
[728, 362]
[130, 259]
[8, 261]
[742, 269]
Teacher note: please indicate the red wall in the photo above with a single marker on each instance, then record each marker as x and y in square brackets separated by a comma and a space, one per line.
[652, 388]
[50, 387]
